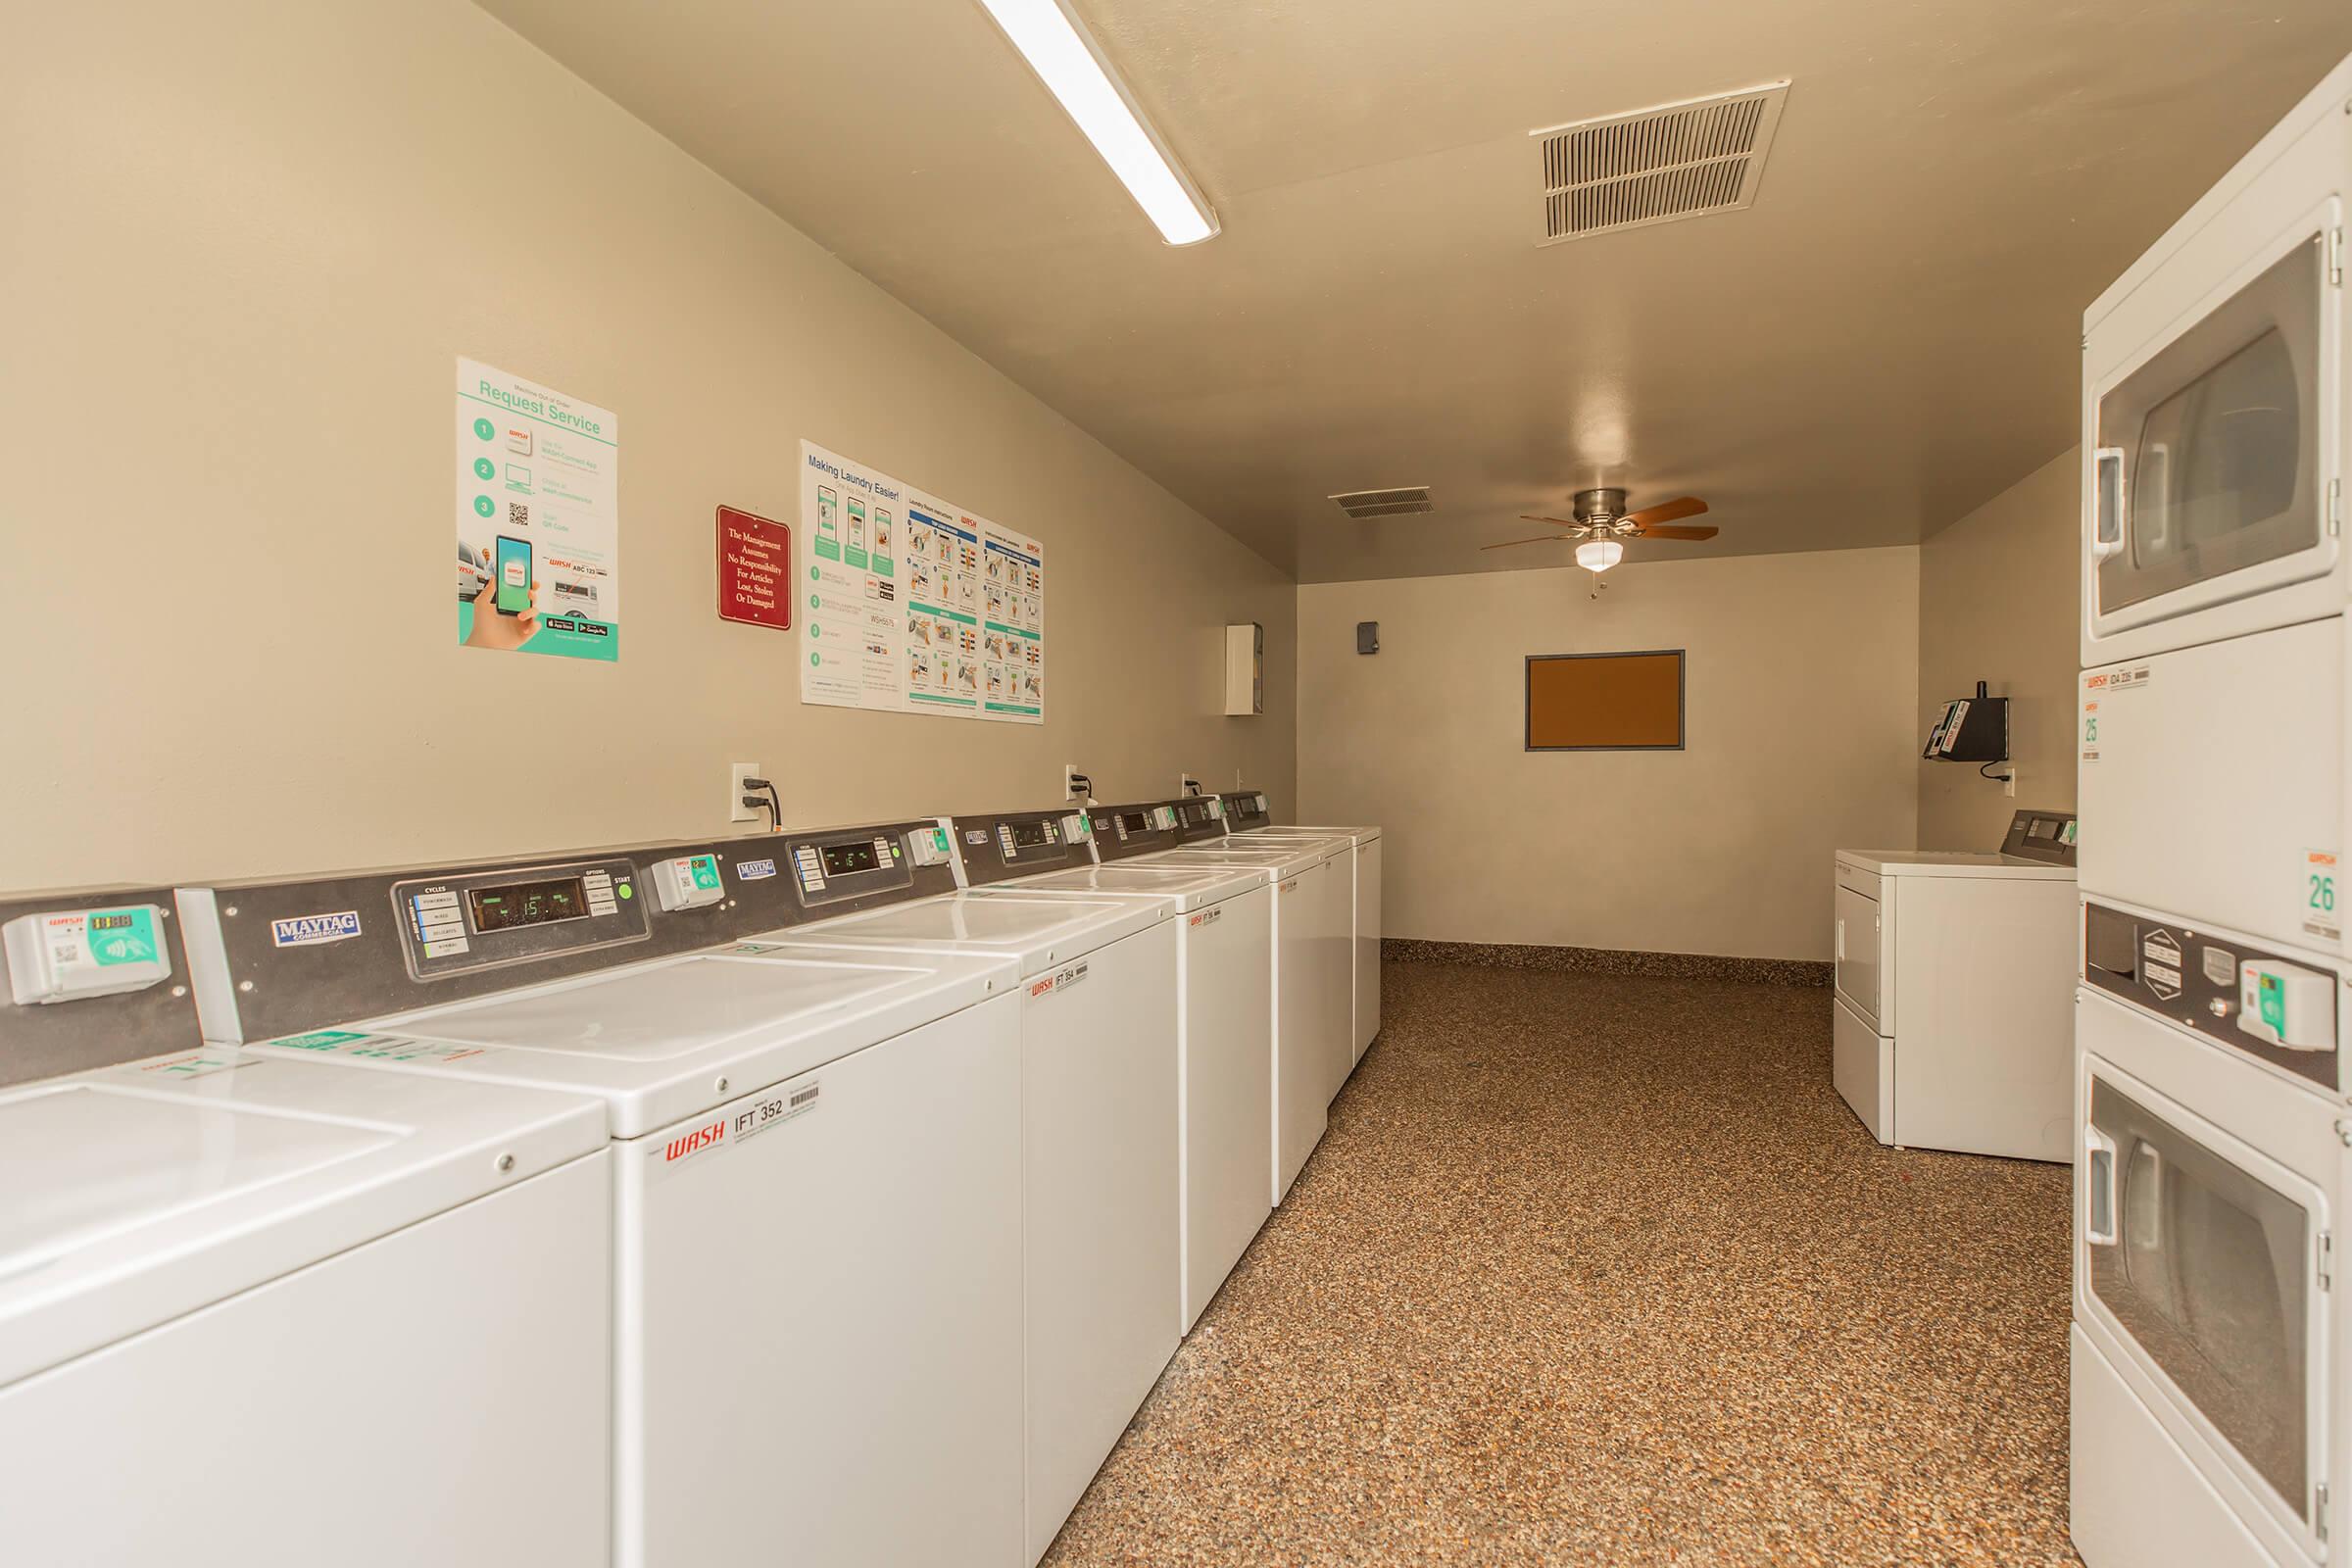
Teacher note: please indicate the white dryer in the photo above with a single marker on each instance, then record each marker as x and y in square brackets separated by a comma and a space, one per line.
[1953, 1016]
[813, 1154]
[1096, 1121]
[2208, 1398]
[261, 1314]
[1246, 816]
[1224, 918]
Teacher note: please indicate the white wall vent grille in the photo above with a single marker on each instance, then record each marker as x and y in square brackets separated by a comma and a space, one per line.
[1653, 166]
[1385, 503]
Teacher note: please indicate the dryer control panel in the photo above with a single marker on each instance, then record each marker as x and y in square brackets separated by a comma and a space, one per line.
[2232, 993]
[1122, 832]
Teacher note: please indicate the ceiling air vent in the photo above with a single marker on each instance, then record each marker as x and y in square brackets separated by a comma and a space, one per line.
[1385, 503]
[1653, 166]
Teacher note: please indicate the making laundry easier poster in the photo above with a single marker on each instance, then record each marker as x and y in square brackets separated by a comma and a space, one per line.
[538, 518]
[915, 606]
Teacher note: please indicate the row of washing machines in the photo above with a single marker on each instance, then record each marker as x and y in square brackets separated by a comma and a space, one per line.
[2211, 1342]
[828, 1198]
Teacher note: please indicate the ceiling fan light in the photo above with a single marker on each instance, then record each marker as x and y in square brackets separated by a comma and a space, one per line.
[1599, 555]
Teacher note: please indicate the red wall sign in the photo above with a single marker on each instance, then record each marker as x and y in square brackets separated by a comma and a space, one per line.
[755, 569]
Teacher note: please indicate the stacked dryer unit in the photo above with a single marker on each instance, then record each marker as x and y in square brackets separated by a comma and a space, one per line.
[2211, 1341]
[1247, 817]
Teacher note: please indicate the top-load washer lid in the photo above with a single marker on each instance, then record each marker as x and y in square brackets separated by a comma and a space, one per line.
[1284, 857]
[141, 1193]
[1953, 862]
[657, 1041]
[1036, 932]
[1306, 830]
[1185, 888]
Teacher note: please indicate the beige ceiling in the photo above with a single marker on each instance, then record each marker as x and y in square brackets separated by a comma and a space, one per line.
[1886, 338]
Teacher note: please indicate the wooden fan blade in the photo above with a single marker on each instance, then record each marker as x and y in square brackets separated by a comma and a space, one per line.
[1666, 512]
[1541, 539]
[1679, 533]
[1563, 522]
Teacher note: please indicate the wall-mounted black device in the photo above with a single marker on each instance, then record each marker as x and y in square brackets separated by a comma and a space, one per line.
[1367, 636]
[1971, 729]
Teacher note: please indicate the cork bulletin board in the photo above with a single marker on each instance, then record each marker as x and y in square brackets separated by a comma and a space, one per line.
[1605, 702]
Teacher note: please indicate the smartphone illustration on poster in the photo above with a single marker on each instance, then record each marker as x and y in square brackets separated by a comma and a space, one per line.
[514, 575]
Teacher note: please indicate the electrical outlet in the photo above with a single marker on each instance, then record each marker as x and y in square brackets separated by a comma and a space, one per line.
[737, 812]
[1186, 784]
[1069, 781]
[2009, 785]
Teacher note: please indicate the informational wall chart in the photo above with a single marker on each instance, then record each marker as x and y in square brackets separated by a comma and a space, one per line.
[538, 518]
[915, 605]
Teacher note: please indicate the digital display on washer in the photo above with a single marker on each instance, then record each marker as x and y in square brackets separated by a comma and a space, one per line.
[1029, 835]
[1136, 821]
[514, 904]
[1194, 811]
[843, 859]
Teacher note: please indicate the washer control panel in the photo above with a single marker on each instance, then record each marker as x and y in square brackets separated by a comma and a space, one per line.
[1122, 832]
[1019, 844]
[1245, 809]
[476, 920]
[2232, 993]
[1199, 816]
[836, 870]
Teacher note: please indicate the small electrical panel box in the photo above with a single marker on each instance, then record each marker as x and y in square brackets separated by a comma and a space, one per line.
[1971, 729]
[688, 882]
[1246, 668]
[2286, 1004]
[1367, 636]
[68, 955]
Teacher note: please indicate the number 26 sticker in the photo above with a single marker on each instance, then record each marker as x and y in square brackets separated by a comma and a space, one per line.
[2319, 895]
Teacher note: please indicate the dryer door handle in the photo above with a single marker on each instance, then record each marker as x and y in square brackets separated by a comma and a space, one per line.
[2099, 1187]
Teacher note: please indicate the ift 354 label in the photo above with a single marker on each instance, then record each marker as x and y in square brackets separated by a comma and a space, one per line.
[1059, 980]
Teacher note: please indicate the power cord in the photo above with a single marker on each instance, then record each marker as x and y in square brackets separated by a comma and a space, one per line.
[772, 805]
[2001, 778]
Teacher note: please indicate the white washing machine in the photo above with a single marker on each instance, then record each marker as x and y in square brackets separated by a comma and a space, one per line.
[1313, 985]
[1098, 1122]
[1246, 816]
[1224, 918]
[1954, 1021]
[2207, 1397]
[258, 1313]
[813, 1155]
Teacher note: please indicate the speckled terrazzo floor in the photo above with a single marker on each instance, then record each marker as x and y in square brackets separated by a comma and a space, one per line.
[1599, 1270]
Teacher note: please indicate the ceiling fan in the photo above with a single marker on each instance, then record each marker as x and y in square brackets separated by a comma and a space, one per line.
[1601, 525]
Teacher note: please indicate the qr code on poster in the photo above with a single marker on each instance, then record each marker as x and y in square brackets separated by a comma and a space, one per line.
[518, 515]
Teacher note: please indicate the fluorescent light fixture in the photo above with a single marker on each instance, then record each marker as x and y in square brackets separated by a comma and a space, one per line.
[1067, 58]
[1599, 555]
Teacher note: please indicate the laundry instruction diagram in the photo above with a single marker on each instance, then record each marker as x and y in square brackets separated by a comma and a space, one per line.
[916, 605]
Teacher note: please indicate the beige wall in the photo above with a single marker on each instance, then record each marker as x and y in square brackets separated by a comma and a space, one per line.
[1803, 696]
[1999, 601]
[245, 244]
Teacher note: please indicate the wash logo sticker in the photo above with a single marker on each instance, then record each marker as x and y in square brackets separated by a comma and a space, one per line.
[309, 930]
[1058, 980]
